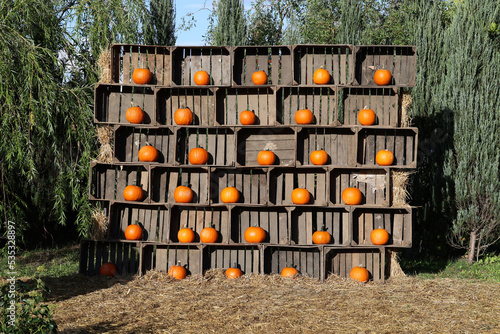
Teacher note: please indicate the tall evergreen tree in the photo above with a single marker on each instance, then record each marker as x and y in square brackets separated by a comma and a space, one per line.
[159, 26]
[320, 21]
[351, 18]
[227, 23]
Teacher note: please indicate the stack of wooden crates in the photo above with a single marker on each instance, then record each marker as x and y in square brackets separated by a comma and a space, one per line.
[265, 191]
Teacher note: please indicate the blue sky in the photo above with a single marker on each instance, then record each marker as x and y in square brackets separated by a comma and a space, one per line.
[194, 36]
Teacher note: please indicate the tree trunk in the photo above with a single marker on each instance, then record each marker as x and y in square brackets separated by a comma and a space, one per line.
[472, 245]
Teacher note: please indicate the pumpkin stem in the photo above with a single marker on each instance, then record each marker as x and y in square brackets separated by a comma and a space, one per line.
[234, 265]
[179, 263]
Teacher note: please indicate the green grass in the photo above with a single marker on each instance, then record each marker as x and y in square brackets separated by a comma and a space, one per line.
[57, 262]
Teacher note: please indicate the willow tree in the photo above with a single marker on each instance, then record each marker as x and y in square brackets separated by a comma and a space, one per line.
[227, 23]
[159, 23]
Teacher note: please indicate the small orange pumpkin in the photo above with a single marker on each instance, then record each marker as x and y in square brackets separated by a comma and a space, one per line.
[266, 157]
[107, 269]
[141, 76]
[201, 78]
[183, 116]
[359, 273]
[135, 115]
[229, 195]
[183, 194]
[185, 235]
[132, 193]
[198, 156]
[321, 76]
[209, 235]
[289, 272]
[384, 158]
[352, 196]
[366, 116]
[304, 116]
[233, 272]
[379, 236]
[247, 117]
[259, 78]
[319, 157]
[300, 196]
[382, 77]
[148, 154]
[254, 234]
[177, 271]
[321, 237]
[133, 232]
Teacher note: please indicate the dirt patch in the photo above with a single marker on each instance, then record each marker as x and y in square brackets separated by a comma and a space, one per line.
[156, 303]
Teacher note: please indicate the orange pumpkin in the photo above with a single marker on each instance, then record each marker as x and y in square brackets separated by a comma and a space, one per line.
[259, 78]
[384, 158]
[304, 116]
[209, 235]
[366, 116]
[132, 193]
[107, 269]
[352, 196]
[379, 236]
[141, 76]
[183, 194]
[229, 195]
[254, 234]
[300, 196]
[289, 272]
[183, 116]
[201, 78]
[185, 235]
[233, 272]
[148, 154]
[360, 274]
[135, 115]
[321, 76]
[266, 157]
[321, 237]
[198, 156]
[382, 77]
[319, 157]
[247, 117]
[133, 232]
[177, 271]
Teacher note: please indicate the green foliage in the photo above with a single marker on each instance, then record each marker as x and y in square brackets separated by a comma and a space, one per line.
[228, 24]
[319, 21]
[352, 22]
[159, 24]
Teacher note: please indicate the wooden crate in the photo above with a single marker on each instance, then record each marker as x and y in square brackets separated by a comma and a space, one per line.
[187, 60]
[129, 140]
[199, 217]
[276, 61]
[402, 142]
[231, 101]
[338, 60]
[160, 257]
[340, 261]
[321, 101]
[251, 140]
[306, 221]
[396, 221]
[374, 185]
[125, 256]
[339, 144]
[399, 60]
[112, 101]
[383, 101]
[219, 143]
[154, 220]
[248, 258]
[201, 101]
[164, 181]
[108, 181]
[126, 58]
[284, 180]
[306, 259]
[252, 184]
[275, 221]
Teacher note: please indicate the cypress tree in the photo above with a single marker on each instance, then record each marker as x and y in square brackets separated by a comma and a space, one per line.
[228, 24]
[351, 22]
[159, 27]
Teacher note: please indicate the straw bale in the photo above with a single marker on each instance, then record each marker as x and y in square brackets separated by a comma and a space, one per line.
[400, 194]
[405, 106]
[104, 137]
[100, 222]
[104, 63]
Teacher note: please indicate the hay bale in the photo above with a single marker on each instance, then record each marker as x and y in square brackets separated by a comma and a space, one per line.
[104, 64]
[104, 137]
[99, 227]
[400, 194]
[405, 106]
[395, 268]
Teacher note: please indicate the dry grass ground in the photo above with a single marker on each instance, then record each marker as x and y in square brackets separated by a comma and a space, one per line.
[156, 303]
